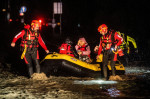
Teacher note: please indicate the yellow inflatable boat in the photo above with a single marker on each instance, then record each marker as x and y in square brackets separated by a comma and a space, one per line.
[65, 65]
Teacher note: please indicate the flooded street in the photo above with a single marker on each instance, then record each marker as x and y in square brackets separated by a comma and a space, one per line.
[133, 86]
[72, 44]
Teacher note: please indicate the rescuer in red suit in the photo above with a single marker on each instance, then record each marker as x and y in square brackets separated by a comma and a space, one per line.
[109, 43]
[31, 39]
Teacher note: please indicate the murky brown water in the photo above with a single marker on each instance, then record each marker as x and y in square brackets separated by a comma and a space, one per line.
[20, 87]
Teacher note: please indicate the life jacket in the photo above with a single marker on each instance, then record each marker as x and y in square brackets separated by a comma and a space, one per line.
[83, 48]
[66, 49]
[30, 38]
[108, 40]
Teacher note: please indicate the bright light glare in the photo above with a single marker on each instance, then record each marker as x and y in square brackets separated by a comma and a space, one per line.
[10, 20]
[112, 49]
[94, 82]
[40, 21]
[3, 10]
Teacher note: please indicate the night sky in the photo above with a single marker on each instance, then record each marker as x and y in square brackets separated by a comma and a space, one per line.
[82, 17]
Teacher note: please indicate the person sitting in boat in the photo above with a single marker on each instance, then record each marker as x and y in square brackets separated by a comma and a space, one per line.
[83, 50]
[66, 48]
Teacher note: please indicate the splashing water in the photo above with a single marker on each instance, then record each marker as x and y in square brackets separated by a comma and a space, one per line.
[113, 92]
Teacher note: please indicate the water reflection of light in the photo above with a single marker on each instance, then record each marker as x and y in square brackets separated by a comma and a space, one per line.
[113, 92]
[93, 82]
[137, 70]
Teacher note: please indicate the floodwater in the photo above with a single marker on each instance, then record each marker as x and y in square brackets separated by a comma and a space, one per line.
[135, 85]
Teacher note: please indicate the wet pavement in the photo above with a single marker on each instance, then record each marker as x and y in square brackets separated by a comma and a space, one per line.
[133, 86]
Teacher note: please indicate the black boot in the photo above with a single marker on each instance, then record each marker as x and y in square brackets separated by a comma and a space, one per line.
[30, 70]
[113, 69]
[105, 73]
[37, 66]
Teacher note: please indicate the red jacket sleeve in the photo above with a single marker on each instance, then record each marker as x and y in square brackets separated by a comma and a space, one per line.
[118, 38]
[100, 47]
[41, 42]
[19, 35]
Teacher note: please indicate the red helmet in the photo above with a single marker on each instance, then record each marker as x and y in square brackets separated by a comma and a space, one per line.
[102, 27]
[35, 23]
[27, 26]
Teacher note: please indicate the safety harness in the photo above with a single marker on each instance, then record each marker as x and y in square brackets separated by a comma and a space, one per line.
[29, 41]
[30, 38]
[109, 39]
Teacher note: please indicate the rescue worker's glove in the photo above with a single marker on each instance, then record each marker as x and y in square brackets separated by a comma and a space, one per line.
[96, 49]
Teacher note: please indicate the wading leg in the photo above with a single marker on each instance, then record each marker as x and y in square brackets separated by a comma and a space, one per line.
[35, 58]
[112, 64]
[105, 63]
[28, 62]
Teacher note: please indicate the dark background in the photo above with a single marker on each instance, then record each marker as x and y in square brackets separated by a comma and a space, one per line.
[79, 18]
